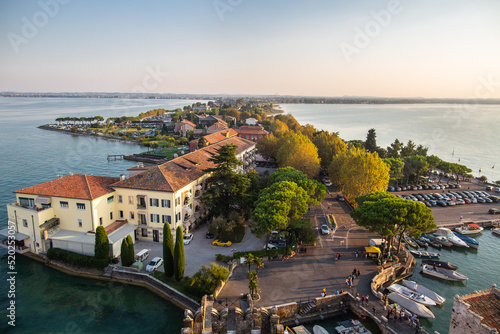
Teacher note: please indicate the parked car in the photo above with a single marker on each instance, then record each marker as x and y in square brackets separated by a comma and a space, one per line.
[442, 203]
[187, 238]
[222, 242]
[490, 188]
[154, 264]
[493, 211]
[325, 229]
[340, 198]
[209, 235]
[270, 246]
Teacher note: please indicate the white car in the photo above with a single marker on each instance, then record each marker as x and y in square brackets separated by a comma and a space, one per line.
[328, 183]
[187, 238]
[270, 246]
[325, 229]
[154, 264]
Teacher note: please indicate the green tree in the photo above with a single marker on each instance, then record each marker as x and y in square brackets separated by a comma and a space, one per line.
[125, 256]
[395, 169]
[226, 188]
[179, 260]
[371, 141]
[205, 281]
[391, 216]
[268, 146]
[329, 145]
[101, 248]
[394, 150]
[131, 250]
[409, 149]
[415, 165]
[297, 151]
[202, 142]
[168, 250]
[483, 178]
[308, 130]
[316, 191]
[358, 172]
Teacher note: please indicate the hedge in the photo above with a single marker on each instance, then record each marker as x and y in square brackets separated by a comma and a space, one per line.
[75, 259]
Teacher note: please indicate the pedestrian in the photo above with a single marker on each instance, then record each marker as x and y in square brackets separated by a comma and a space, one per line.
[354, 272]
[323, 293]
[358, 273]
[338, 256]
[374, 310]
[362, 299]
[357, 254]
[350, 284]
[389, 314]
[401, 315]
[366, 298]
[366, 255]
[337, 292]
[347, 281]
[341, 290]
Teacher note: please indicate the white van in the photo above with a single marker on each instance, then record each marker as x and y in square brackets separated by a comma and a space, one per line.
[142, 255]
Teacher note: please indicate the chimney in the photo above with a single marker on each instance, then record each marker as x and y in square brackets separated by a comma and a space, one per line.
[122, 177]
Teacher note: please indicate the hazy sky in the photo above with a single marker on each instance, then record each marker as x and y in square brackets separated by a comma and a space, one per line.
[447, 48]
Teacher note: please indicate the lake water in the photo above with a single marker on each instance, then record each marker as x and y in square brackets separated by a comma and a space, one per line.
[51, 302]
[467, 135]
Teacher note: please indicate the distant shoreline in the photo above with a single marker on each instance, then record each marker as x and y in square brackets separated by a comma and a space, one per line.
[285, 99]
[105, 137]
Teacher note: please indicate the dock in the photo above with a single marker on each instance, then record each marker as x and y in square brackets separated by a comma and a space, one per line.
[112, 157]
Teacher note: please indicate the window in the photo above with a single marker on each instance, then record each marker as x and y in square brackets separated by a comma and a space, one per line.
[144, 232]
[24, 201]
[25, 222]
[177, 217]
[165, 203]
[141, 202]
[155, 218]
[80, 206]
[111, 199]
[153, 202]
[120, 214]
[120, 199]
[64, 205]
[46, 206]
[111, 215]
[80, 223]
[100, 221]
[131, 200]
[166, 219]
[132, 215]
[177, 201]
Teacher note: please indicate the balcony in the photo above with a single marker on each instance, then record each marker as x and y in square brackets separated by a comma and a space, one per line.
[31, 208]
[20, 249]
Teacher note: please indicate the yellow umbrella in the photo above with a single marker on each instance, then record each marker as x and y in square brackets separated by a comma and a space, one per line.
[372, 249]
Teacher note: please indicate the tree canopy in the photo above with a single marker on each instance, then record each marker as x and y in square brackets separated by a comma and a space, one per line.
[101, 247]
[316, 191]
[391, 216]
[329, 145]
[358, 172]
[297, 151]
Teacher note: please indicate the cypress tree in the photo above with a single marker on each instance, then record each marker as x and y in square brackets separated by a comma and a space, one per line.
[125, 253]
[179, 255]
[101, 248]
[131, 251]
[168, 250]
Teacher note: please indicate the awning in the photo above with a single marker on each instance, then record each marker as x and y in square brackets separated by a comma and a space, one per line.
[186, 210]
[49, 223]
[42, 200]
[17, 235]
[372, 249]
[474, 225]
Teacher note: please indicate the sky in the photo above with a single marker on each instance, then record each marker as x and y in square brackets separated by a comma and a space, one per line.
[395, 48]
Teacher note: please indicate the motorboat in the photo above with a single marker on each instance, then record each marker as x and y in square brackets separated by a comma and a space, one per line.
[414, 286]
[440, 264]
[443, 240]
[469, 241]
[469, 229]
[496, 231]
[428, 255]
[410, 242]
[317, 329]
[431, 241]
[456, 241]
[351, 326]
[410, 305]
[421, 242]
[412, 295]
[446, 274]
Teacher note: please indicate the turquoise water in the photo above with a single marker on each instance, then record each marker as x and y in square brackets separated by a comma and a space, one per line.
[48, 301]
[452, 132]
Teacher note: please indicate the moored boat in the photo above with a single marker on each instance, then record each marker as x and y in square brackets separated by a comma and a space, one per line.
[410, 242]
[440, 264]
[469, 229]
[410, 305]
[350, 326]
[469, 241]
[412, 295]
[317, 329]
[424, 254]
[421, 242]
[446, 274]
[456, 241]
[431, 241]
[496, 231]
[423, 290]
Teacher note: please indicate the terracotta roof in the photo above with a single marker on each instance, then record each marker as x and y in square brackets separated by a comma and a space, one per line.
[485, 303]
[179, 172]
[221, 117]
[220, 135]
[218, 125]
[73, 186]
[185, 121]
[115, 226]
[251, 130]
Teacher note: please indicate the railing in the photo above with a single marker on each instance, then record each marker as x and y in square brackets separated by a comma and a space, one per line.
[53, 230]
[19, 249]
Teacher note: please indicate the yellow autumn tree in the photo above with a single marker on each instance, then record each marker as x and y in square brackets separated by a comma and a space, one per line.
[329, 145]
[358, 173]
[298, 151]
[278, 128]
[268, 146]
